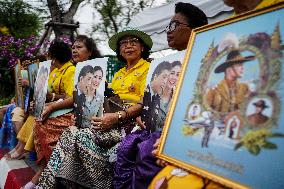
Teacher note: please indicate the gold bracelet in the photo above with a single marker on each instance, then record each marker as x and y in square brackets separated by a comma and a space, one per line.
[119, 115]
[53, 97]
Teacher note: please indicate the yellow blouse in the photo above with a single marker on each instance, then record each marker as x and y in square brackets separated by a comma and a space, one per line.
[61, 81]
[130, 84]
[263, 4]
[181, 180]
[266, 3]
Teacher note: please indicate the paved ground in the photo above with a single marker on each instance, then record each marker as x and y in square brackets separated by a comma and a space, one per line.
[15, 173]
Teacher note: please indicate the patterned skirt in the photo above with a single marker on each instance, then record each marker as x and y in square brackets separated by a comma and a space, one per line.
[46, 135]
[78, 160]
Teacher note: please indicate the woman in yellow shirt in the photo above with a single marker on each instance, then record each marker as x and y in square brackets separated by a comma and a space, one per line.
[83, 49]
[83, 157]
[60, 83]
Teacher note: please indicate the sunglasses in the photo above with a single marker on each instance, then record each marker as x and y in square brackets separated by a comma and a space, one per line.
[173, 25]
[132, 42]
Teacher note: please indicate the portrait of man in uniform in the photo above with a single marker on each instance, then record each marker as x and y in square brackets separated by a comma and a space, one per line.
[258, 117]
[229, 93]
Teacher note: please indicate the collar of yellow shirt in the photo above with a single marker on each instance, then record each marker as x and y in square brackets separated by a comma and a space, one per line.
[141, 62]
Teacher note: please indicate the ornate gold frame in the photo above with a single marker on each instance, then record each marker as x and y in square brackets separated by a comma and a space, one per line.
[192, 168]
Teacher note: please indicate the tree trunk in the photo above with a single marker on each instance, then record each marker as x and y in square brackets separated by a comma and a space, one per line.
[58, 16]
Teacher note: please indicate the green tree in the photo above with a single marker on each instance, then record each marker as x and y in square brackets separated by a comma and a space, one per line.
[19, 23]
[59, 17]
[111, 15]
[116, 14]
[20, 18]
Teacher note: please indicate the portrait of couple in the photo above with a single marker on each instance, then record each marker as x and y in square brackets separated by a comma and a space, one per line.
[40, 88]
[32, 71]
[163, 78]
[88, 94]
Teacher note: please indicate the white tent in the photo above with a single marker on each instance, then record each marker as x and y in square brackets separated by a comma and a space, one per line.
[154, 20]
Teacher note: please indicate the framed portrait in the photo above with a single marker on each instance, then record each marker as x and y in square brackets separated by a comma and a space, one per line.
[19, 90]
[32, 73]
[40, 88]
[226, 120]
[89, 81]
[161, 82]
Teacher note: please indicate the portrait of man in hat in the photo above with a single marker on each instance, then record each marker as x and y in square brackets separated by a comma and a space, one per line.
[258, 117]
[229, 93]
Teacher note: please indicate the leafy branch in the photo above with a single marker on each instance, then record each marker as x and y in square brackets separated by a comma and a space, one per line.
[254, 141]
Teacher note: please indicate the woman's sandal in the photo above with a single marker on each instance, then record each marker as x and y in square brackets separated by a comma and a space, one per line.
[16, 156]
[10, 152]
[29, 185]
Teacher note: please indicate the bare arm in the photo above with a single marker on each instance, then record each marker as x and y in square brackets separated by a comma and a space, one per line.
[105, 122]
[52, 107]
[50, 95]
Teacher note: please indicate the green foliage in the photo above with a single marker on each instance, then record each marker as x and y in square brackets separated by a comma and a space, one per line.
[11, 50]
[19, 17]
[254, 141]
[109, 10]
[238, 145]
[5, 100]
[116, 14]
[269, 145]
[18, 21]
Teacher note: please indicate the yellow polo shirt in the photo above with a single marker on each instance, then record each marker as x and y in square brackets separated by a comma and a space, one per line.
[175, 178]
[61, 81]
[263, 4]
[130, 84]
[266, 3]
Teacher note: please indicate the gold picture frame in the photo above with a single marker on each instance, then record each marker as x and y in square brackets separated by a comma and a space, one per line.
[18, 88]
[226, 141]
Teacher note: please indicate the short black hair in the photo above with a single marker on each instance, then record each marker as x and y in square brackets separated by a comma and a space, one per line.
[97, 68]
[84, 71]
[159, 69]
[60, 51]
[195, 17]
[90, 45]
[144, 54]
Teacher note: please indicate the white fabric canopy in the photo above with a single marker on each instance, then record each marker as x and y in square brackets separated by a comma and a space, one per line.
[154, 20]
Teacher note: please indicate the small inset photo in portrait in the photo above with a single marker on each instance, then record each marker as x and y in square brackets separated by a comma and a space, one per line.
[194, 111]
[259, 111]
[232, 127]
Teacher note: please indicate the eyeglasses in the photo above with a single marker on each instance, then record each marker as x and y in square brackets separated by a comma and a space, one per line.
[173, 25]
[132, 42]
